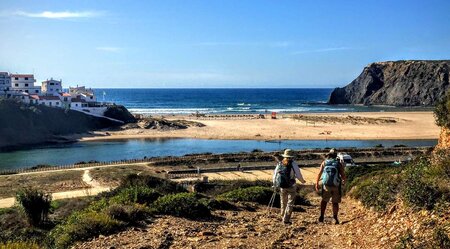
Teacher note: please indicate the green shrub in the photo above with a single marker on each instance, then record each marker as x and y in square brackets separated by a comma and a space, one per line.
[217, 204]
[182, 204]
[442, 112]
[136, 194]
[355, 173]
[256, 194]
[376, 191]
[417, 190]
[218, 187]
[130, 214]
[35, 203]
[19, 245]
[84, 225]
[161, 186]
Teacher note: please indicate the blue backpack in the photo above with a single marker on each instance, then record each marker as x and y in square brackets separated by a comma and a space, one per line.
[330, 175]
[283, 178]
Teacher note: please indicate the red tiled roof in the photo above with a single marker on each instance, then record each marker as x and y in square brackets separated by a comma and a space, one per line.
[65, 94]
[33, 96]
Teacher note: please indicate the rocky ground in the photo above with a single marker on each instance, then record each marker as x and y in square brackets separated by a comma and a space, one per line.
[359, 228]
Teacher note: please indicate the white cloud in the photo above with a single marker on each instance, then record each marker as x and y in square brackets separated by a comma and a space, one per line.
[321, 50]
[59, 15]
[109, 49]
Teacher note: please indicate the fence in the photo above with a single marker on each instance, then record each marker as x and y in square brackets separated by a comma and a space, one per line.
[205, 157]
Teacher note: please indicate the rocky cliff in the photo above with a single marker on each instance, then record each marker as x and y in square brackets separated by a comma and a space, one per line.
[397, 83]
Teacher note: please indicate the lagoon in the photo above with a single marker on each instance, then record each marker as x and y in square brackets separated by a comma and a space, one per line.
[63, 154]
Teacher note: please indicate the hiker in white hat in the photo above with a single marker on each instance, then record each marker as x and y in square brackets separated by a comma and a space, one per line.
[284, 176]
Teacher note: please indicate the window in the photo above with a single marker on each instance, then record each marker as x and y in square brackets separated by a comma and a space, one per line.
[51, 89]
[26, 78]
[52, 84]
[50, 103]
[16, 78]
[16, 84]
[57, 103]
[76, 104]
[26, 84]
[26, 91]
[92, 97]
[65, 98]
[37, 91]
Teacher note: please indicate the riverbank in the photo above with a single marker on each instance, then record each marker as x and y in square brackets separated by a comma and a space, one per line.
[314, 126]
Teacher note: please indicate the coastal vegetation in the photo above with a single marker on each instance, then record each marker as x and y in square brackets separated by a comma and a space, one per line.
[421, 187]
[442, 112]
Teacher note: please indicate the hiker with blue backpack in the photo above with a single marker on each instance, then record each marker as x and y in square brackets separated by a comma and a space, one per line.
[284, 176]
[330, 179]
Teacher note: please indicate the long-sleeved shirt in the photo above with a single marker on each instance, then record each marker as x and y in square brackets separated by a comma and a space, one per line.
[295, 172]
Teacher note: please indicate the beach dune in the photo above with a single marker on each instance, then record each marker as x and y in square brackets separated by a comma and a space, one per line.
[313, 126]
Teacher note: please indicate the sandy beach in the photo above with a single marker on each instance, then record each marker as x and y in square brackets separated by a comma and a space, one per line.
[335, 126]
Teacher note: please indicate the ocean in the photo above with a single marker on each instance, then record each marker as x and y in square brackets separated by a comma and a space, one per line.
[223, 101]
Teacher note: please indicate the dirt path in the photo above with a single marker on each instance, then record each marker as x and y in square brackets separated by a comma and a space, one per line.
[95, 188]
[246, 229]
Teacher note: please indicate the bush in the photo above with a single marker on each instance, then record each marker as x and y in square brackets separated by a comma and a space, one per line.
[130, 214]
[218, 187]
[416, 191]
[217, 204]
[256, 194]
[35, 203]
[137, 194]
[355, 173]
[19, 245]
[442, 112]
[81, 226]
[161, 186]
[182, 204]
[376, 191]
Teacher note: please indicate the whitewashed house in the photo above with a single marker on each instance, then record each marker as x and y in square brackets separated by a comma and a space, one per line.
[52, 87]
[24, 83]
[66, 99]
[51, 101]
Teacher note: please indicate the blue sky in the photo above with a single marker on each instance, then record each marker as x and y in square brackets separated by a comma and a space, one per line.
[216, 43]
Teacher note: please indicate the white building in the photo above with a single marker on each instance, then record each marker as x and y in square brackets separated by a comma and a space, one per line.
[5, 82]
[66, 99]
[24, 83]
[52, 87]
[52, 101]
[84, 93]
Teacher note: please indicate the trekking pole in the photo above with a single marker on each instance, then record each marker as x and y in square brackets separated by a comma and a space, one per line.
[271, 202]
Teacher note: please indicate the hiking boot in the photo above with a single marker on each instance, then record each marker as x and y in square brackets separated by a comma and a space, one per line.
[336, 221]
[321, 219]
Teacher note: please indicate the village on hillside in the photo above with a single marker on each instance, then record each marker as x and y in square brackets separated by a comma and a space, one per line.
[50, 93]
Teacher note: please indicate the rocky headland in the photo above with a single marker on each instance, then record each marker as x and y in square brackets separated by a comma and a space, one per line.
[26, 125]
[397, 83]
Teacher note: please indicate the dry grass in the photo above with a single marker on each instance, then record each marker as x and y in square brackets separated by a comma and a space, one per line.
[48, 182]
